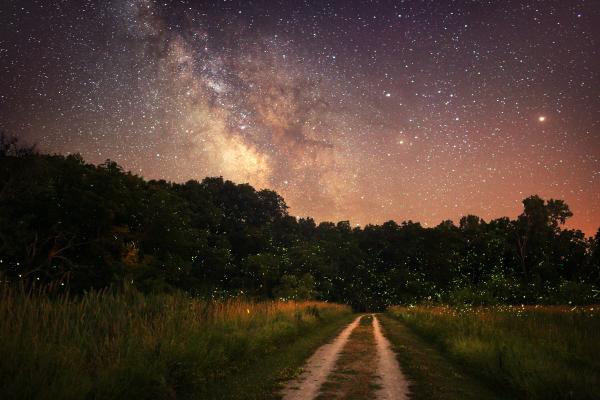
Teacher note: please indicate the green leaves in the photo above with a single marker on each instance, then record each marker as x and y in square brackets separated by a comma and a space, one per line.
[86, 226]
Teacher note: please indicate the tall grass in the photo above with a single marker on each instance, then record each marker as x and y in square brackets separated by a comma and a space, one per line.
[529, 352]
[106, 345]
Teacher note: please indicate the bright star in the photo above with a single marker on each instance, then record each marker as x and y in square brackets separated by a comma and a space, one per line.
[542, 118]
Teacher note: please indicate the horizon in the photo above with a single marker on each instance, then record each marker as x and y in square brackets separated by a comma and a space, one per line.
[590, 231]
[398, 221]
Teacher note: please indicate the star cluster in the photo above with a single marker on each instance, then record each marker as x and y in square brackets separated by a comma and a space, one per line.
[358, 110]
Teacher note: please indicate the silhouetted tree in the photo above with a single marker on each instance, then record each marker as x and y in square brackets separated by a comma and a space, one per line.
[86, 226]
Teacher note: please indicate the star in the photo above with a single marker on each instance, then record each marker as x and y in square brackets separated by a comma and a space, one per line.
[185, 90]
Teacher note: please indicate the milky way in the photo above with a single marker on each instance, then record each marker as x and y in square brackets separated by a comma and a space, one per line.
[362, 111]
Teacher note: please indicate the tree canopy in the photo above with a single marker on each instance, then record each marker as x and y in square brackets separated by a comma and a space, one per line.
[84, 226]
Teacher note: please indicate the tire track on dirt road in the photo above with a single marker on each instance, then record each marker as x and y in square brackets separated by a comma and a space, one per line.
[318, 367]
[394, 385]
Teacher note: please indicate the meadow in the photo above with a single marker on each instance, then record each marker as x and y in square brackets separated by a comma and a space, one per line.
[530, 352]
[122, 344]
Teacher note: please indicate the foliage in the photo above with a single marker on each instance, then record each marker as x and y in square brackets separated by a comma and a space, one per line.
[537, 352]
[89, 227]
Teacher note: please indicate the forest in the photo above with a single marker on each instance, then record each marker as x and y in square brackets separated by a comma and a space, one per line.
[77, 227]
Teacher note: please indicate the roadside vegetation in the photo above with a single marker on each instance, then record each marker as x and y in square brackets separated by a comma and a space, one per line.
[532, 352]
[431, 375]
[122, 344]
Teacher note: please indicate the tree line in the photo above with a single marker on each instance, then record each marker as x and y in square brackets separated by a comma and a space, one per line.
[81, 227]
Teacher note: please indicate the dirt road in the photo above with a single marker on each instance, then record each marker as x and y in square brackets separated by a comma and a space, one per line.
[318, 367]
[357, 365]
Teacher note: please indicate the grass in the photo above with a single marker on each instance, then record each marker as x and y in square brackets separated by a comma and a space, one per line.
[524, 352]
[108, 345]
[431, 375]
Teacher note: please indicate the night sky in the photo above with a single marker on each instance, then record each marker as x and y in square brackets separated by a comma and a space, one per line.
[351, 110]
